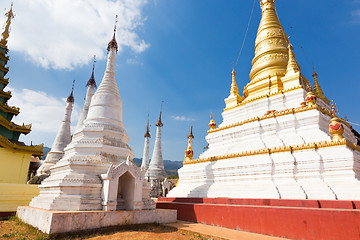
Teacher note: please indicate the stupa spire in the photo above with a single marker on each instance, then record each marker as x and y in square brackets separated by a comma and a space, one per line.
[62, 139]
[317, 89]
[146, 154]
[71, 96]
[92, 77]
[292, 66]
[156, 169]
[108, 86]
[5, 35]
[91, 85]
[147, 133]
[271, 53]
[234, 97]
[113, 43]
[234, 88]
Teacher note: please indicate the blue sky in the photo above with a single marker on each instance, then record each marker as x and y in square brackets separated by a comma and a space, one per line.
[179, 52]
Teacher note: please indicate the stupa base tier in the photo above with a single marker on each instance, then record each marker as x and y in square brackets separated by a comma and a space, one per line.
[57, 222]
[321, 173]
[293, 219]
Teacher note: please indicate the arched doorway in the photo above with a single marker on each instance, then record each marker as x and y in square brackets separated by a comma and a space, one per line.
[126, 191]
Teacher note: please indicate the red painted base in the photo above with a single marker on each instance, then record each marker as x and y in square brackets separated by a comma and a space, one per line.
[294, 219]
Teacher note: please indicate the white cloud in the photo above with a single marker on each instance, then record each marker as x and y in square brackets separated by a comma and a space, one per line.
[67, 33]
[45, 112]
[182, 118]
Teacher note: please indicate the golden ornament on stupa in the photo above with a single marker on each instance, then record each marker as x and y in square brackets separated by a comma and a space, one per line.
[189, 151]
[310, 99]
[336, 129]
[212, 123]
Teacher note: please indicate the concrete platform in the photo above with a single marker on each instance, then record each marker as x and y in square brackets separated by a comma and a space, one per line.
[55, 222]
[219, 232]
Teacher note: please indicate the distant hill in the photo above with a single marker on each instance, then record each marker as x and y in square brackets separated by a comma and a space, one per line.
[45, 152]
[171, 167]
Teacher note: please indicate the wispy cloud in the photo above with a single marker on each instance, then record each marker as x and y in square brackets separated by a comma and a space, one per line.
[182, 118]
[65, 34]
[45, 112]
[133, 61]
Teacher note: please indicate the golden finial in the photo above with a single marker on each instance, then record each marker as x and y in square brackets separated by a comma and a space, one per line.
[5, 35]
[234, 98]
[234, 89]
[212, 123]
[265, 4]
[292, 63]
[317, 89]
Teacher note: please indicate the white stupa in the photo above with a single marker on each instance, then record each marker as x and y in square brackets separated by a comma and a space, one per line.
[75, 182]
[146, 153]
[62, 139]
[91, 85]
[156, 170]
[280, 139]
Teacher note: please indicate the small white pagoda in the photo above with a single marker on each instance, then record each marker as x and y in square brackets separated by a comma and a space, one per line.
[62, 139]
[146, 153]
[281, 139]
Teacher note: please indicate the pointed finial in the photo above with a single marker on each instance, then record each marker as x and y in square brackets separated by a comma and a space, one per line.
[159, 123]
[317, 89]
[191, 133]
[116, 20]
[94, 62]
[314, 73]
[211, 115]
[91, 81]
[234, 88]
[71, 97]
[266, 4]
[292, 63]
[5, 35]
[113, 43]
[147, 134]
